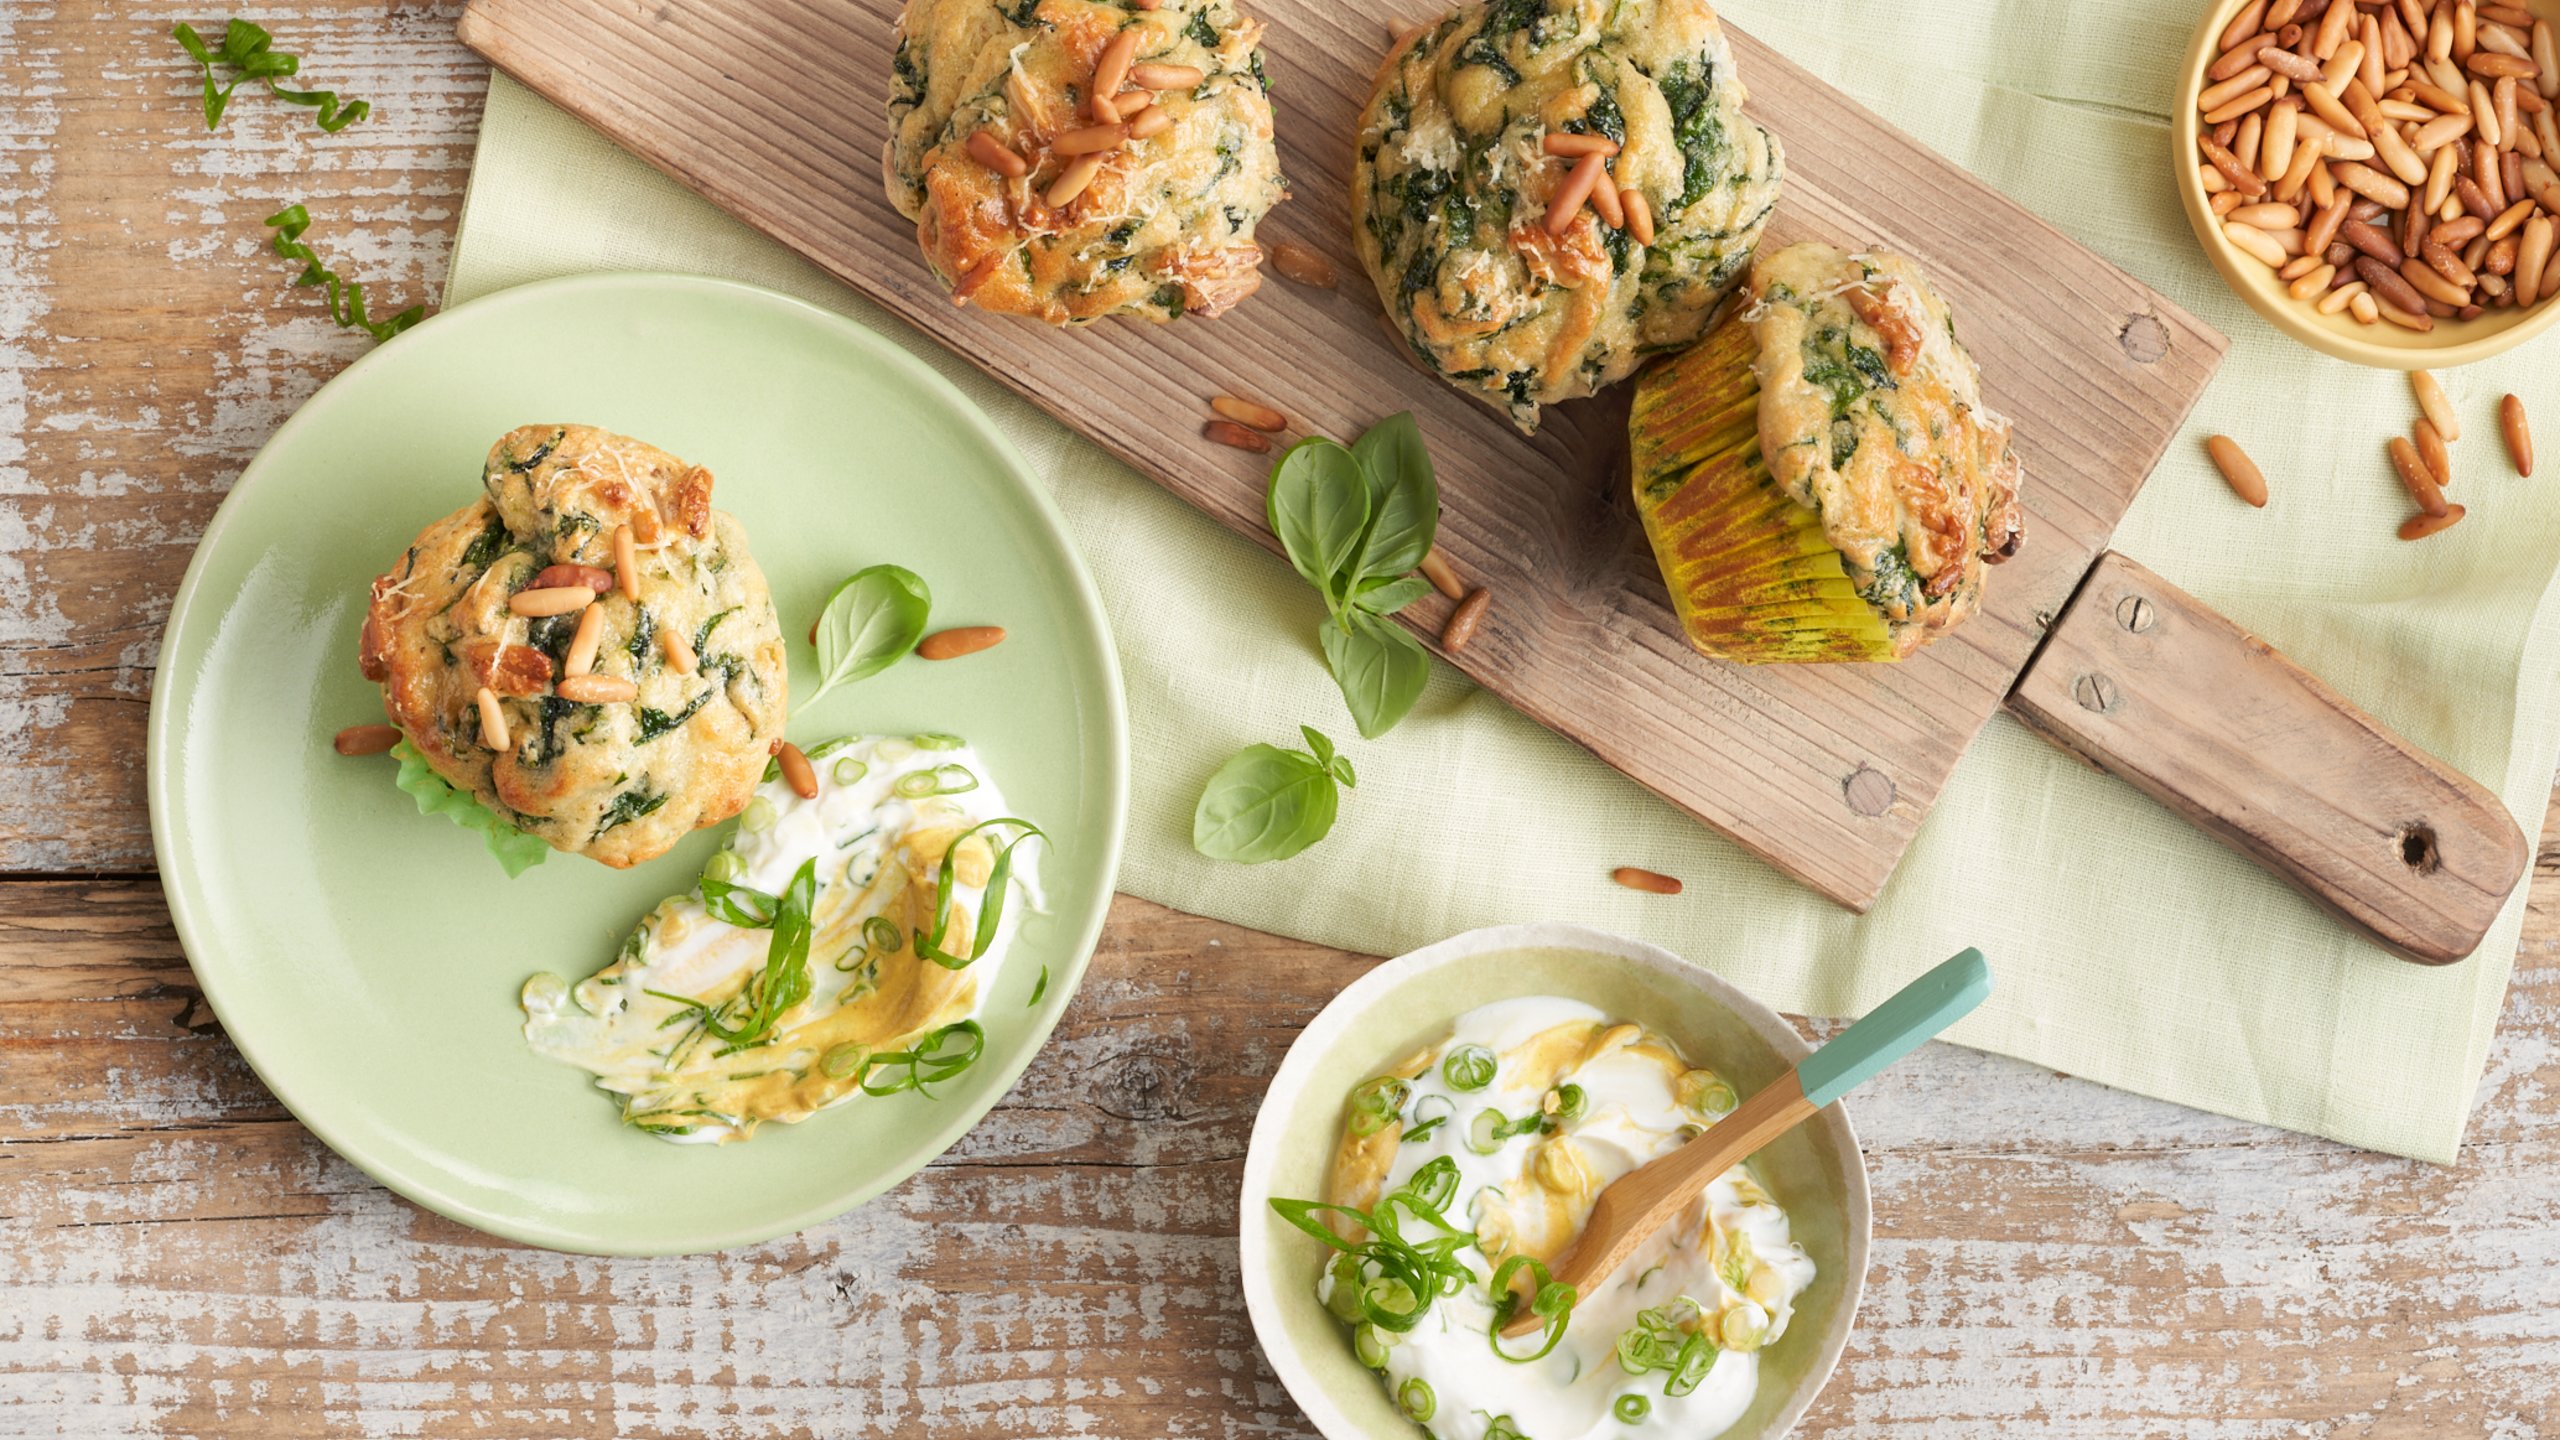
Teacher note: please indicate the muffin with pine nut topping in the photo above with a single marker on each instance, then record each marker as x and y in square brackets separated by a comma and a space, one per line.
[1820, 478]
[1548, 191]
[1036, 193]
[588, 649]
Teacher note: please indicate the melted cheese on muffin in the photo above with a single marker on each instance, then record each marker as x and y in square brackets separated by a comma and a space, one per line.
[1871, 413]
[616, 782]
[1165, 228]
[1450, 196]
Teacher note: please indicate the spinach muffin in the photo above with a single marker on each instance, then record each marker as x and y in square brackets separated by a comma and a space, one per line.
[1820, 478]
[1465, 206]
[1033, 195]
[619, 781]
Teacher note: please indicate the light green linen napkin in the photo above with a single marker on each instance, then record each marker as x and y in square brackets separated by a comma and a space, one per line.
[2130, 949]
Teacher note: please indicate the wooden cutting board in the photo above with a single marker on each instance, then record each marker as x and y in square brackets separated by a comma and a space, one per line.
[775, 111]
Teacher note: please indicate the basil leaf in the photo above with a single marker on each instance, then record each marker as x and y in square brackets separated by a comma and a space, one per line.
[1380, 668]
[1319, 509]
[1404, 498]
[1264, 804]
[870, 623]
[1318, 744]
[1386, 597]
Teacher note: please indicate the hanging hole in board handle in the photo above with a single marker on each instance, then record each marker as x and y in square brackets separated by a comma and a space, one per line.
[2418, 849]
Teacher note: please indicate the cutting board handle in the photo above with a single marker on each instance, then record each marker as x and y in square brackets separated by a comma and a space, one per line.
[2149, 684]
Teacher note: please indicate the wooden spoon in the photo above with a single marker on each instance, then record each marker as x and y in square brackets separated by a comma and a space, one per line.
[1646, 1198]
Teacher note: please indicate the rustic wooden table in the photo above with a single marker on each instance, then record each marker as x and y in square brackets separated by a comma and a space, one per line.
[178, 1257]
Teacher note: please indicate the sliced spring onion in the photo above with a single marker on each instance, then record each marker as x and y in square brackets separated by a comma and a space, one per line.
[1631, 1409]
[1485, 1133]
[1415, 1399]
[1570, 1103]
[732, 904]
[1703, 1092]
[1551, 1301]
[848, 770]
[1370, 1344]
[1342, 1298]
[991, 915]
[725, 867]
[1468, 1068]
[1377, 1104]
[842, 1060]
[759, 816]
[1395, 1279]
[784, 981]
[825, 748]
[883, 935]
[1429, 1114]
[940, 780]
[935, 740]
[930, 1061]
[1503, 1428]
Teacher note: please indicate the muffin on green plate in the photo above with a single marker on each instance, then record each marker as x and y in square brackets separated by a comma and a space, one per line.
[1819, 477]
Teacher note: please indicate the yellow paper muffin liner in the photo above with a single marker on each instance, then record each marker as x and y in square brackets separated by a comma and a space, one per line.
[1752, 577]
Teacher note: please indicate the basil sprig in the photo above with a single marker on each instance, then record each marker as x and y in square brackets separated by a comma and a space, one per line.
[1355, 521]
[870, 624]
[346, 297]
[249, 52]
[1267, 803]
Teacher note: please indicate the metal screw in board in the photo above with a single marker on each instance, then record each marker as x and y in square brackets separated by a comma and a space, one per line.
[2135, 613]
[2094, 692]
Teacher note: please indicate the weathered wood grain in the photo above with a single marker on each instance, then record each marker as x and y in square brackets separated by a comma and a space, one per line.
[1581, 636]
[2051, 1259]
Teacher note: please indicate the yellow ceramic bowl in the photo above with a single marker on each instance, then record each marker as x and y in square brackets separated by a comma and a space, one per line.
[2385, 346]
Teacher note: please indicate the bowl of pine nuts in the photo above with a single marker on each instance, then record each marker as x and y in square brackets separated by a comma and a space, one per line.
[2380, 179]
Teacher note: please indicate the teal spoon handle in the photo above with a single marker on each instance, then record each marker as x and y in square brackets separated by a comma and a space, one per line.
[1894, 1029]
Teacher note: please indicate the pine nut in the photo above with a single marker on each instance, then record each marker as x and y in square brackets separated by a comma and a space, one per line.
[796, 771]
[2414, 478]
[680, 656]
[2519, 435]
[2437, 405]
[1229, 433]
[553, 577]
[1165, 77]
[2364, 308]
[2275, 152]
[644, 526]
[2238, 471]
[1443, 578]
[367, 739]
[1577, 187]
[584, 644]
[1298, 264]
[2267, 215]
[993, 153]
[1639, 216]
[2419, 527]
[2216, 97]
[553, 600]
[597, 689]
[2546, 61]
[2533, 258]
[1246, 412]
[1604, 199]
[2490, 65]
[2372, 184]
[962, 640]
[2285, 62]
[2339, 299]
[1575, 146]
[2312, 284]
[1091, 140]
[626, 562]
[2240, 177]
[2245, 24]
[1071, 182]
[2240, 105]
[2432, 449]
[2418, 320]
[493, 721]
[1150, 122]
[1112, 65]
[1464, 620]
[2333, 29]
[2235, 59]
[1648, 881]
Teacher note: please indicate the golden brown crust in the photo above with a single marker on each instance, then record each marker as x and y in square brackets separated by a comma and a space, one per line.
[619, 783]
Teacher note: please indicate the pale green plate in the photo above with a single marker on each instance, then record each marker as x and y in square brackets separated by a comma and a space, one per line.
[366, 958]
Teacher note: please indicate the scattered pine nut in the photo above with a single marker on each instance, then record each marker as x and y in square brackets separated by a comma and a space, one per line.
[2414, 478]
[553, 600]
[1092, 139]
[2433, 450]
[597, 689]
[586, 642]
[680, 656]
[1247, 412]
[2239, 471]
[993, 153]
[1639, 216]
[1154, 120]
[1228, 432]
[1569, 197]
[796, 771]
[1464, 620]
[2419, 527]
[2519, 434]
[1443, 578]
[493, 721]
[963, 640]
[1112, 65]
[1072, 181]
[1569, 143]
[553, 577]
[626, 562]
[1298, 264]
[1649, 881]
[1158, 76]
[2439, 406]
[367, 739]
